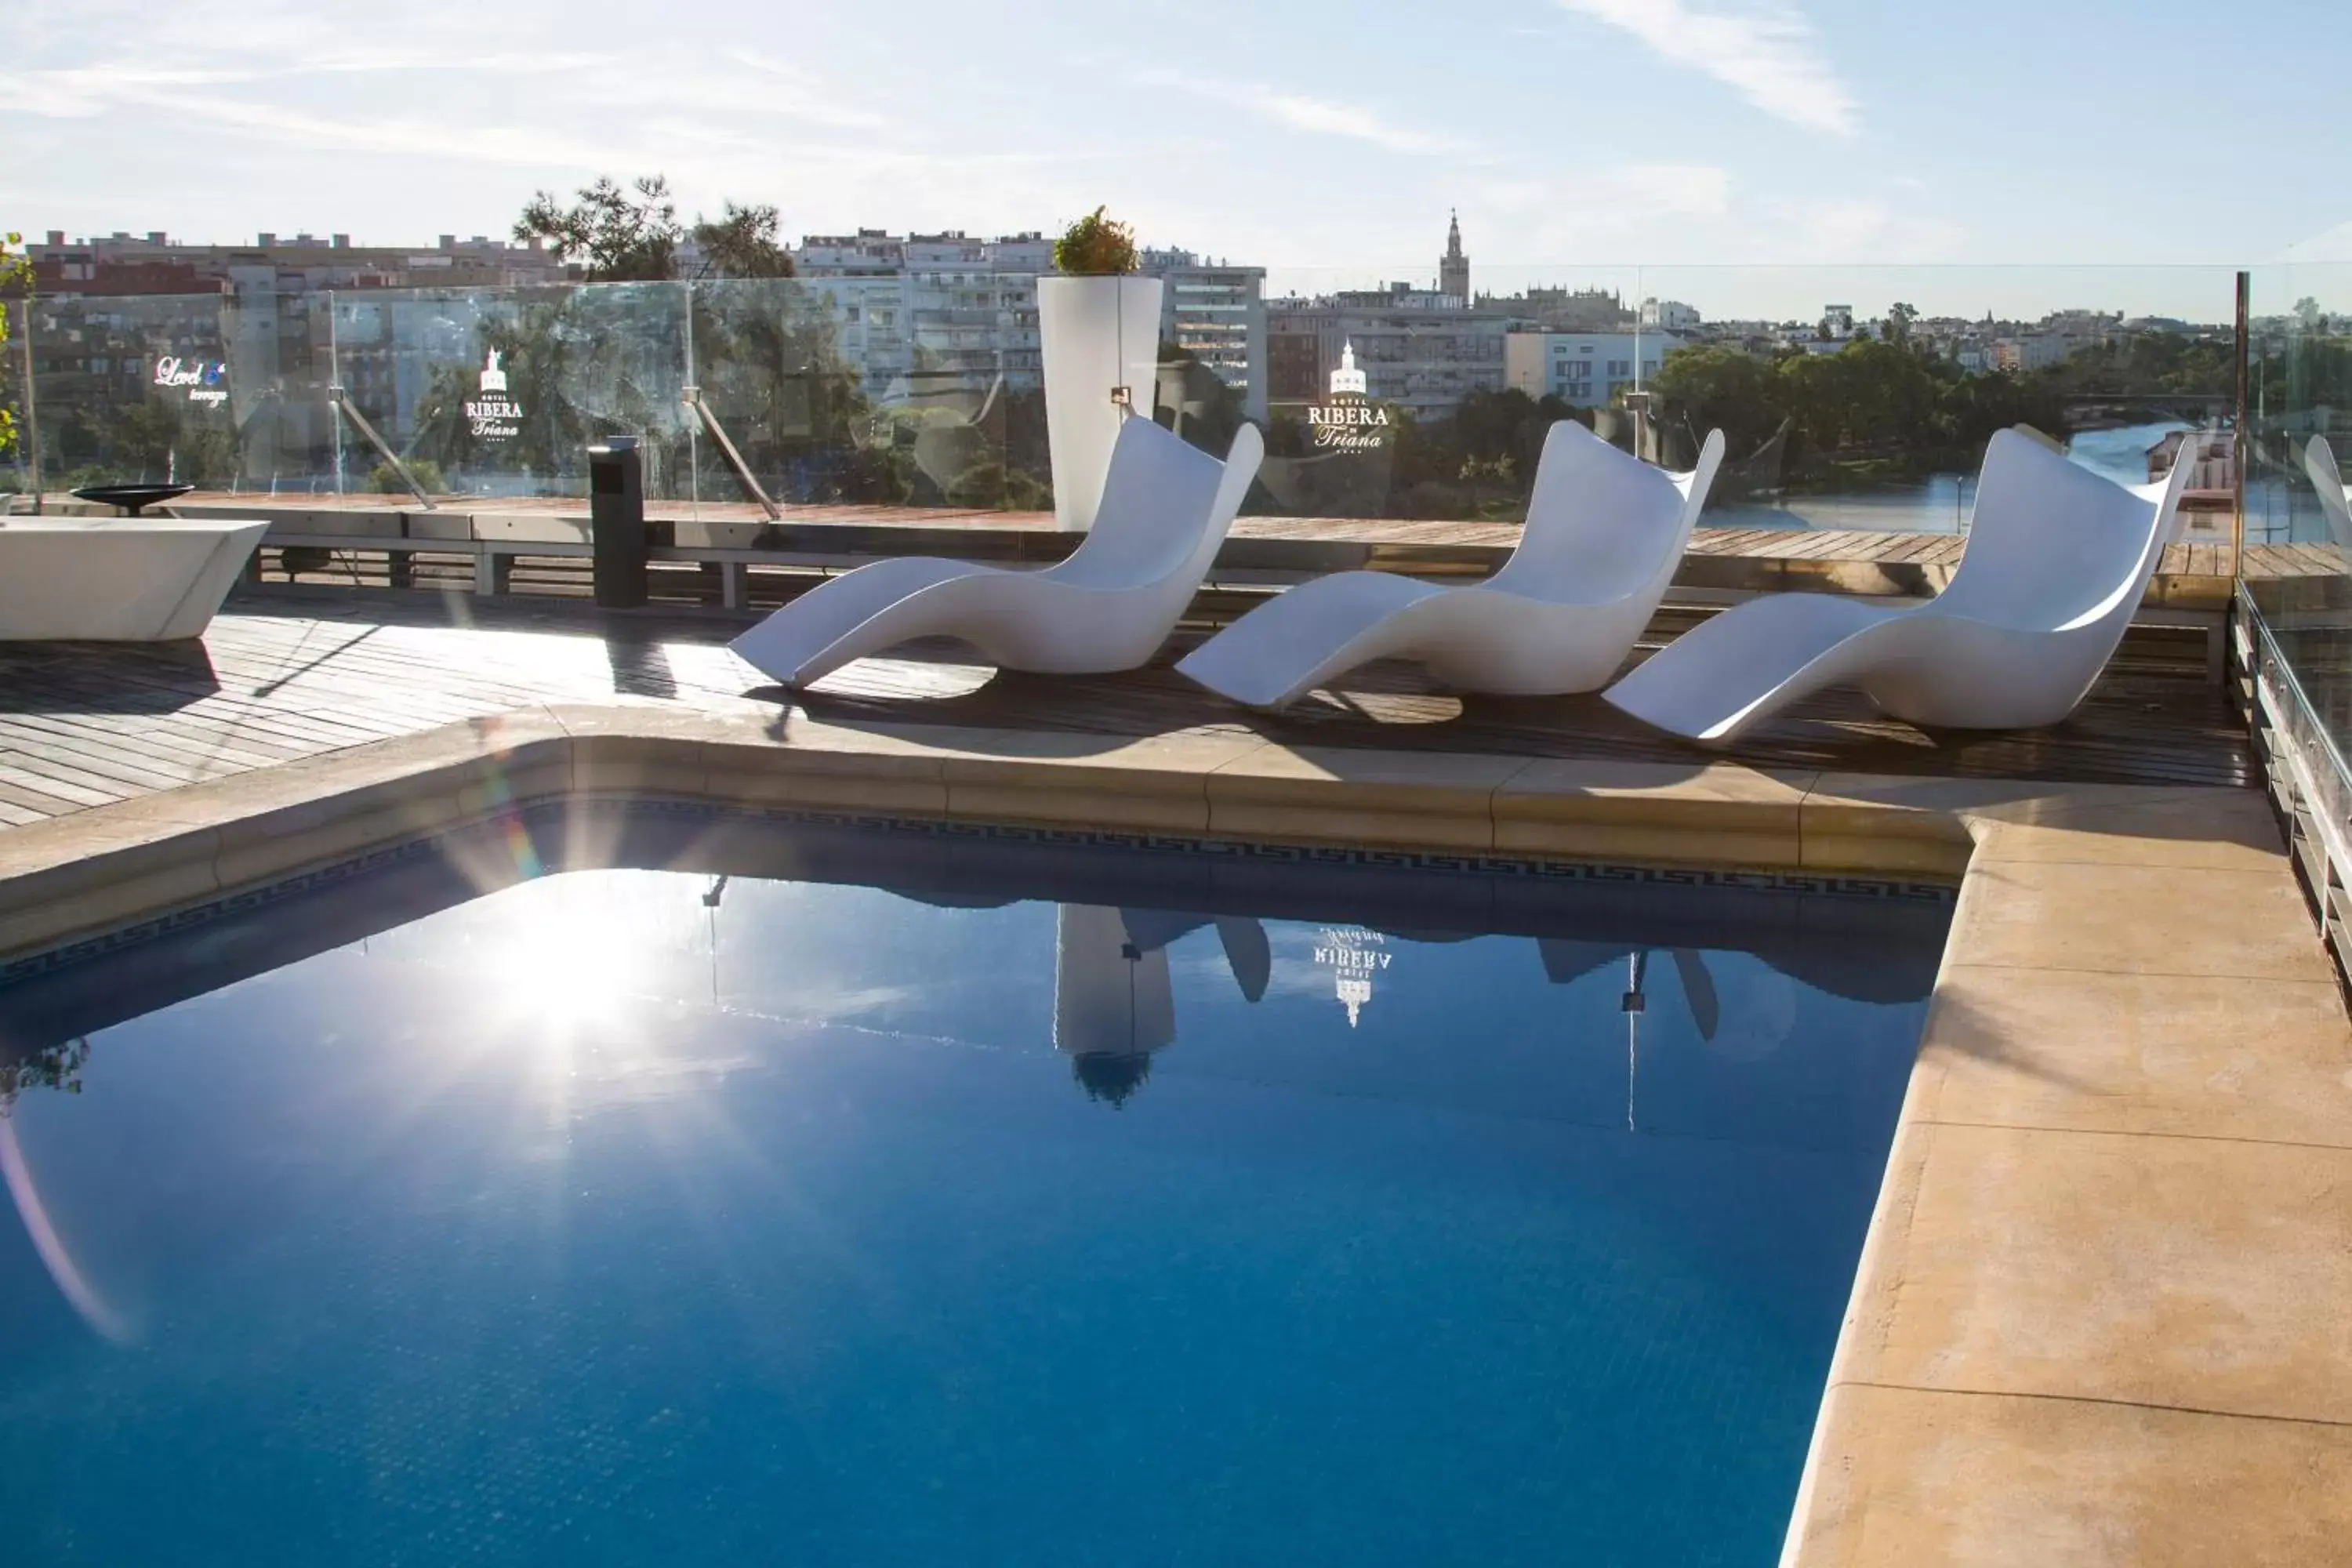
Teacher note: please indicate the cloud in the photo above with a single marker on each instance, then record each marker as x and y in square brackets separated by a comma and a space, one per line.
[1316, 116]
[1769, 54]
[1591, 214]
[806, 96]
[1858, 230]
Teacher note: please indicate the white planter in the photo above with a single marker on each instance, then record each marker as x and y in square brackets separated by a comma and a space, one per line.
[1097, 333]
[134, 579]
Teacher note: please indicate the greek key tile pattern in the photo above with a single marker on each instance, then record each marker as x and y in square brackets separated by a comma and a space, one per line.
[1157, 845]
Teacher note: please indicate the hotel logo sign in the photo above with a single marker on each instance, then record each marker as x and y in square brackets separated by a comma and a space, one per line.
[493, 415]
[1356, 957]
[206, 381]
[1349, 422]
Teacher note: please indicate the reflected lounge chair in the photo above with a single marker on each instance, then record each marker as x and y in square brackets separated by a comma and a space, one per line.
[1165, 510]
[2334, 501]
[2057, 560]
[1604, 534]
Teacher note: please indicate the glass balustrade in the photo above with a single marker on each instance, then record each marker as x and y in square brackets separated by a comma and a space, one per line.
[2298, 525]
[500, 392]
[1855, 399]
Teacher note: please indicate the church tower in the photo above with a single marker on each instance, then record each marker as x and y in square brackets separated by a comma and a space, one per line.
[1453, 268]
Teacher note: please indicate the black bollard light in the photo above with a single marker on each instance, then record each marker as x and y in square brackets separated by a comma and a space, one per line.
[617, 522]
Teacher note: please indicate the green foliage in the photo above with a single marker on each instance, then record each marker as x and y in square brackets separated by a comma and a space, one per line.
[618, 236]
[385, 480]
[742, 244]
[992, 483]
[16, 279]
[151, 438]
[1496, 434]
[2146, 363]
[633, 235]
[1096, 246]
[770, 365]
[1878, 409]
[1718, 387]
[56, 1067]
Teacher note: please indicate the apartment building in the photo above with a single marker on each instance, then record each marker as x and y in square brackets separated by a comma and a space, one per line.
[1670, 315]
[925, 313]
[928, 314]
[117, 307]
[1585, 370]
[2032, 352]
[1422, 349]
[1215, 310]
[277, 265]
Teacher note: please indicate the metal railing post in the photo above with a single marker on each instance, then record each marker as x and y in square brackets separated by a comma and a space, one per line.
[343, 402]
[31, 435]
[2241, 447]
[717, 433]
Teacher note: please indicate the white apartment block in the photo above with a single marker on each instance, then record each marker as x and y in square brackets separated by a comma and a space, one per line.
[930, 314]
[1670, 315]
[261, 310]
[1584, 370]
[2037, 351]
[1217, 313]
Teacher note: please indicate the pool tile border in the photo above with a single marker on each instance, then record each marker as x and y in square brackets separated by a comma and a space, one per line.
[491, 813]
[2073, 1322]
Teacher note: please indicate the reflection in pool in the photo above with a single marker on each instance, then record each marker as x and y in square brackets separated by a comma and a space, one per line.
[826, 1197]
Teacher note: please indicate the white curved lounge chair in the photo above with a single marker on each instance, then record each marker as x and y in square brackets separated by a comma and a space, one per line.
[2058, 558]
[1165, 510]
[1604, 534]
[2335, 500]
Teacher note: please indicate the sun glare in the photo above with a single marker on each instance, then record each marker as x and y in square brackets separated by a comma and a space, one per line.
[569, 959]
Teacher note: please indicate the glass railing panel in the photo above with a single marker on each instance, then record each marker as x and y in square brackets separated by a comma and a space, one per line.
[1403, 393]
[2298, 516]
[1861, 398]
[1853, 398]
[224, 391]
[892, 391]
[137, 388]
[2300, 392]
[500, 392]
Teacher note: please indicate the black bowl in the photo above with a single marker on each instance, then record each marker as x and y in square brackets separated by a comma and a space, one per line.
[131, 498]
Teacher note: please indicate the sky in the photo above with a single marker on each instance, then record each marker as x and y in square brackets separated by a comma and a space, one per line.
[2018, 152]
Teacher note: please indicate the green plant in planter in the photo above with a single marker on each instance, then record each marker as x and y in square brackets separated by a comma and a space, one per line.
[1096, 246]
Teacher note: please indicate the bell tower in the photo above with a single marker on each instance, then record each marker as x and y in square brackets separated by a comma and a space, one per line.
[1453, 268]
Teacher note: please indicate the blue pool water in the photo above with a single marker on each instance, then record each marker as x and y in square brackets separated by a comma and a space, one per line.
[1035, 1205]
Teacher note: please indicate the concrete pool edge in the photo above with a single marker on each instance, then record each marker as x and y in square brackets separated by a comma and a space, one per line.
[2113, 1215]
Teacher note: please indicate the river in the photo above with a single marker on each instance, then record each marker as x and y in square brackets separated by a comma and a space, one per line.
[1942, 502]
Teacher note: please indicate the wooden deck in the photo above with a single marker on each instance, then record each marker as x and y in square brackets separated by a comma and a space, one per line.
[294, 672]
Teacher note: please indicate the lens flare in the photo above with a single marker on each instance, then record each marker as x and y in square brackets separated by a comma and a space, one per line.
[84, 1297]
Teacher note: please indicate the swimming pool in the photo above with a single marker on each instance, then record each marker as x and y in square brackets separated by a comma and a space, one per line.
[813, 1193]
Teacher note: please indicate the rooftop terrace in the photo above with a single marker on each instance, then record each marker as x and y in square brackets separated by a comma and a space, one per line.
[2098, 1318]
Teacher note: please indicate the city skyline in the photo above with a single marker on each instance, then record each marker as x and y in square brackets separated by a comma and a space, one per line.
[1575, 136]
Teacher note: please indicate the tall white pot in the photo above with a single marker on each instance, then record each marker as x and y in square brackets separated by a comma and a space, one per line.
[1097, 334]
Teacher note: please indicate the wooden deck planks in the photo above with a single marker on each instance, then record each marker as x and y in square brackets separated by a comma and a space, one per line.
[288, 674]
